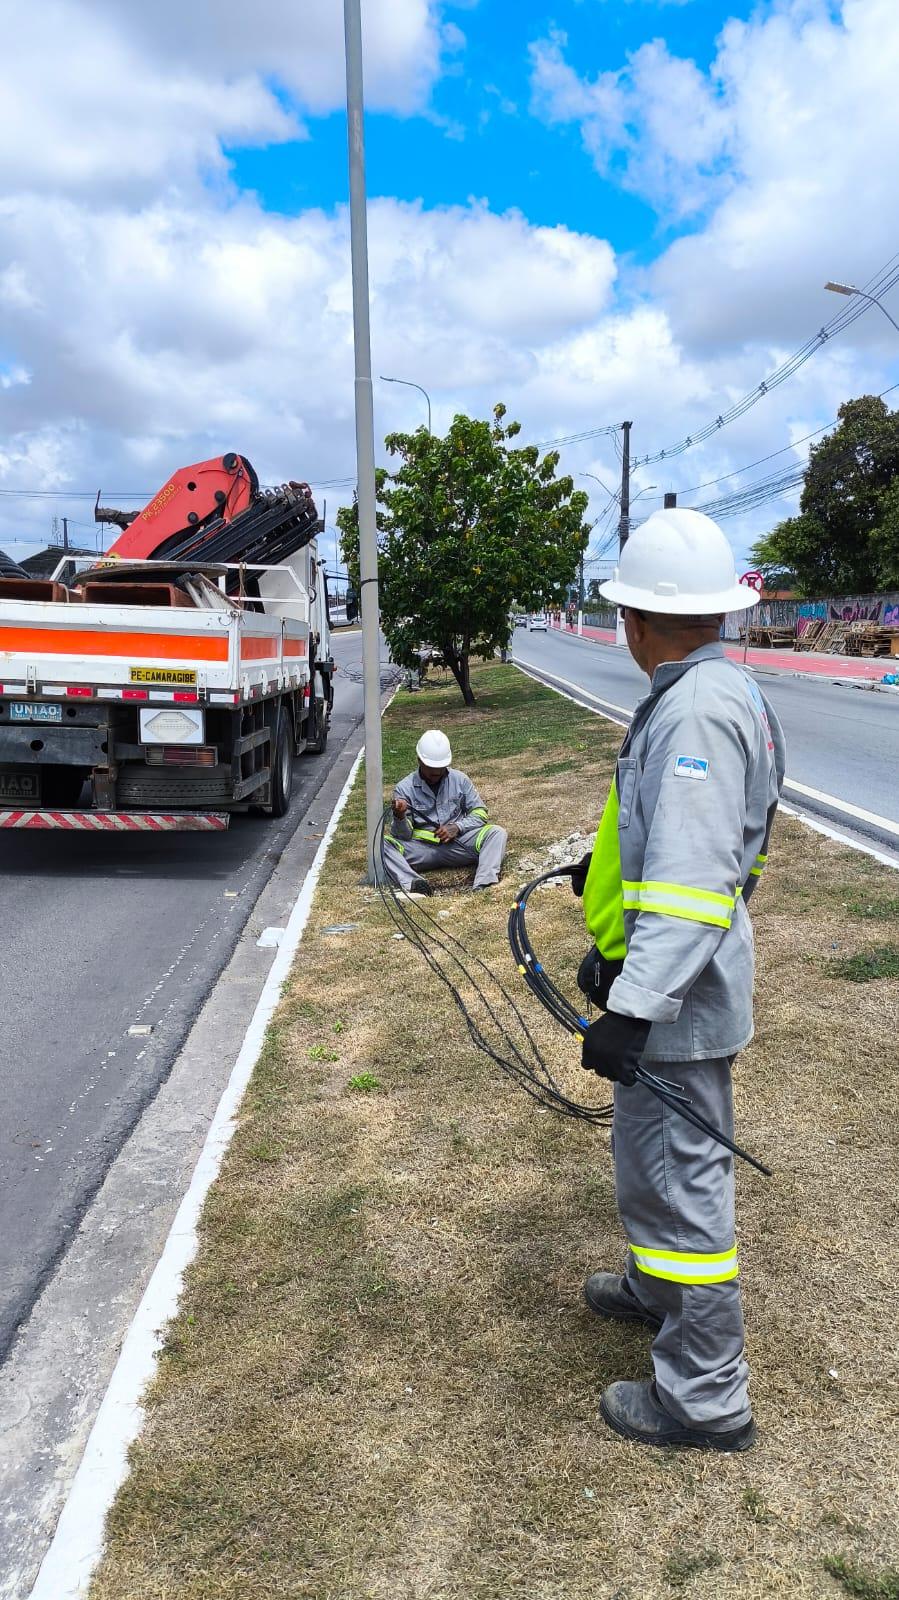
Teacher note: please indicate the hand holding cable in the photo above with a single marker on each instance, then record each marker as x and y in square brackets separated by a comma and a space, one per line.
[613, 1047]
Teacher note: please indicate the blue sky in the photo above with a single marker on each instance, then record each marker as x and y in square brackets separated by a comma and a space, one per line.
[479, 139]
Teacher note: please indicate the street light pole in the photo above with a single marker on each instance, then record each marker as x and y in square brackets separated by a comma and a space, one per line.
[410, 385]
[850, 289]
[365, 431]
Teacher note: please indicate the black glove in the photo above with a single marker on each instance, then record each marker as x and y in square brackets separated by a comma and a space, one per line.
[595, 977]
[579, 874]
[614, 1046]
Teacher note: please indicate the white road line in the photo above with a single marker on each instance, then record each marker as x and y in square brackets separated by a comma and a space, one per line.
[78, 1541]
[843, 805]
[830, 800]
[540, 676]
[841, 838]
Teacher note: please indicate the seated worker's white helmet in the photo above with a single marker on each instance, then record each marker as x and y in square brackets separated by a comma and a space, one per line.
[433, 749]
[678, 562]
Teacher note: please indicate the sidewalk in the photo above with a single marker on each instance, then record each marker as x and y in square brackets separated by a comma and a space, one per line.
[382, 1383]
[845, 669]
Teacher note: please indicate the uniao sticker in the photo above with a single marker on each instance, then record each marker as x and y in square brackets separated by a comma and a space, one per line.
[691, 767]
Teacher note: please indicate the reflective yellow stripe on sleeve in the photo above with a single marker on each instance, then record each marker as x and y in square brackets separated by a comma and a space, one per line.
[688, 1267]
[479, 811]
[680, 900]
[760, 864]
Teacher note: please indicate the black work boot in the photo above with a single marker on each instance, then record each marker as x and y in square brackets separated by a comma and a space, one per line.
[420, 885]
[635, 1410]
[608, 1295]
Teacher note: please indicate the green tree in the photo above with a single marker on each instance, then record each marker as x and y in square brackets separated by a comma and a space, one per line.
[846, 537]
[468, 525]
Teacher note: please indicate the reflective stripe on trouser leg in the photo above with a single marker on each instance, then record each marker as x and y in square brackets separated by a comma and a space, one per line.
[405, 859]
[675, 1191]
[491, 853]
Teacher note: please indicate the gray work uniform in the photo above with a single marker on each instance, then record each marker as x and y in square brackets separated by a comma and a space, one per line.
[412, 846]
[697, 785]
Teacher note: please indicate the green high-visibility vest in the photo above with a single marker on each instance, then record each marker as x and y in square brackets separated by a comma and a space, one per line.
[603, 897]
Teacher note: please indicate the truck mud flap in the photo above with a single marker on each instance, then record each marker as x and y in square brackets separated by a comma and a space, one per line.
[119, 821]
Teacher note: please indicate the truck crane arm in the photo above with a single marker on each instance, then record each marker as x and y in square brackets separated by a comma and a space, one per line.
[210, 493]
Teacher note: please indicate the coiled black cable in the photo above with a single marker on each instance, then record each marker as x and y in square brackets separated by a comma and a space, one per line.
[521, 1060]
[557, 1004]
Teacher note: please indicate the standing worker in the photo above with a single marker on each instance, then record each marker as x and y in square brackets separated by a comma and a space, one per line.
[440, 820]
[681, 846]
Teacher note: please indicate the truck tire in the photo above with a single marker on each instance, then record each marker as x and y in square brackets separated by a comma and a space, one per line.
[282, 766]
[317, 737]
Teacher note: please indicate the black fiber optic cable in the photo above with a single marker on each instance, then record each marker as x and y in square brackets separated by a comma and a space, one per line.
[443, 952]
[523, 1063]
[561, 1008]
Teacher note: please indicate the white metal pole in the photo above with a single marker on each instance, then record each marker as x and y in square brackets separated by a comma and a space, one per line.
[365, 431]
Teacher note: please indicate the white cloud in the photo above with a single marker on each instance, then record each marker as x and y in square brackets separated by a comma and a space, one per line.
[657, 123]
[783, 144]
[119, 100]
[164, 336]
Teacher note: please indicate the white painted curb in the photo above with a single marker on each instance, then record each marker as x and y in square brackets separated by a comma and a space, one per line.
[77, 1544]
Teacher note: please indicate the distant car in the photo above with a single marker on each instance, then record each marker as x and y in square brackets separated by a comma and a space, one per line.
[519, 619]
[537, 623]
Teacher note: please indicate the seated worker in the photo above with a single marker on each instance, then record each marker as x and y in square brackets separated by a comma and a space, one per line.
[440, 820]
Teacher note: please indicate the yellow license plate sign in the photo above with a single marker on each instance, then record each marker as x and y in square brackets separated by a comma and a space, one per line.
[170, 677]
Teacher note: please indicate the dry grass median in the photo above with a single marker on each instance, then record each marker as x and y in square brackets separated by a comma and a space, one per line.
[383, 1385]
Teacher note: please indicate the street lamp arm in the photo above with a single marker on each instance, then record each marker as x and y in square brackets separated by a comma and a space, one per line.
[408, 383]
[850, 289]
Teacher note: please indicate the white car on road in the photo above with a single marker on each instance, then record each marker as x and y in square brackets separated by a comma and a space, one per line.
[537, 623]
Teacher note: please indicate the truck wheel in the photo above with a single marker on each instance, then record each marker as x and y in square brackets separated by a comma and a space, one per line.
[282, 769]
[318, 731]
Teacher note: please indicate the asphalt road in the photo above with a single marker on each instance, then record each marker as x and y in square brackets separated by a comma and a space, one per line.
[840, 740]
[101, 934]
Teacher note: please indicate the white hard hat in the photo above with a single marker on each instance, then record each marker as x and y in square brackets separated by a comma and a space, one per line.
[433, 749]
[678, 562]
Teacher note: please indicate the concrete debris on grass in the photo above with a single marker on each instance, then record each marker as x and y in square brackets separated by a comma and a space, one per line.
[563, 853]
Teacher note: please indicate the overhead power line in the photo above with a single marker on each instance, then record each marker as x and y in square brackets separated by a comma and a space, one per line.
[756, 494]
[738, 471]
[879, 285]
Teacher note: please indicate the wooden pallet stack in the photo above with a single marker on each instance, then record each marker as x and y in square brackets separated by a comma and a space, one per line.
[869, 639]
[770, 638]
[849, 639]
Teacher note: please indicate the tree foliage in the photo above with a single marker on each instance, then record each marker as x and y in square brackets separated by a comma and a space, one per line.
[845, 539]
[468, 526]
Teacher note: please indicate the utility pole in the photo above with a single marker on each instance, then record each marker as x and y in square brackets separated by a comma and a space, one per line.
[65, 533]
[365, 432]
[580, 595]
[624, 520]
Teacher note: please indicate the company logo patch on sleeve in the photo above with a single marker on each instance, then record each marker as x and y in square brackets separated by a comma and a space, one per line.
[691, 767]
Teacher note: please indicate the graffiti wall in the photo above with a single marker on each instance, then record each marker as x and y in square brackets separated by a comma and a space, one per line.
[797, 614]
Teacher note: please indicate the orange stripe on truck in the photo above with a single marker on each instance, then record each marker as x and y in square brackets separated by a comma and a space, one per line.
[259, 649]
[90, 642]
[294, 647]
